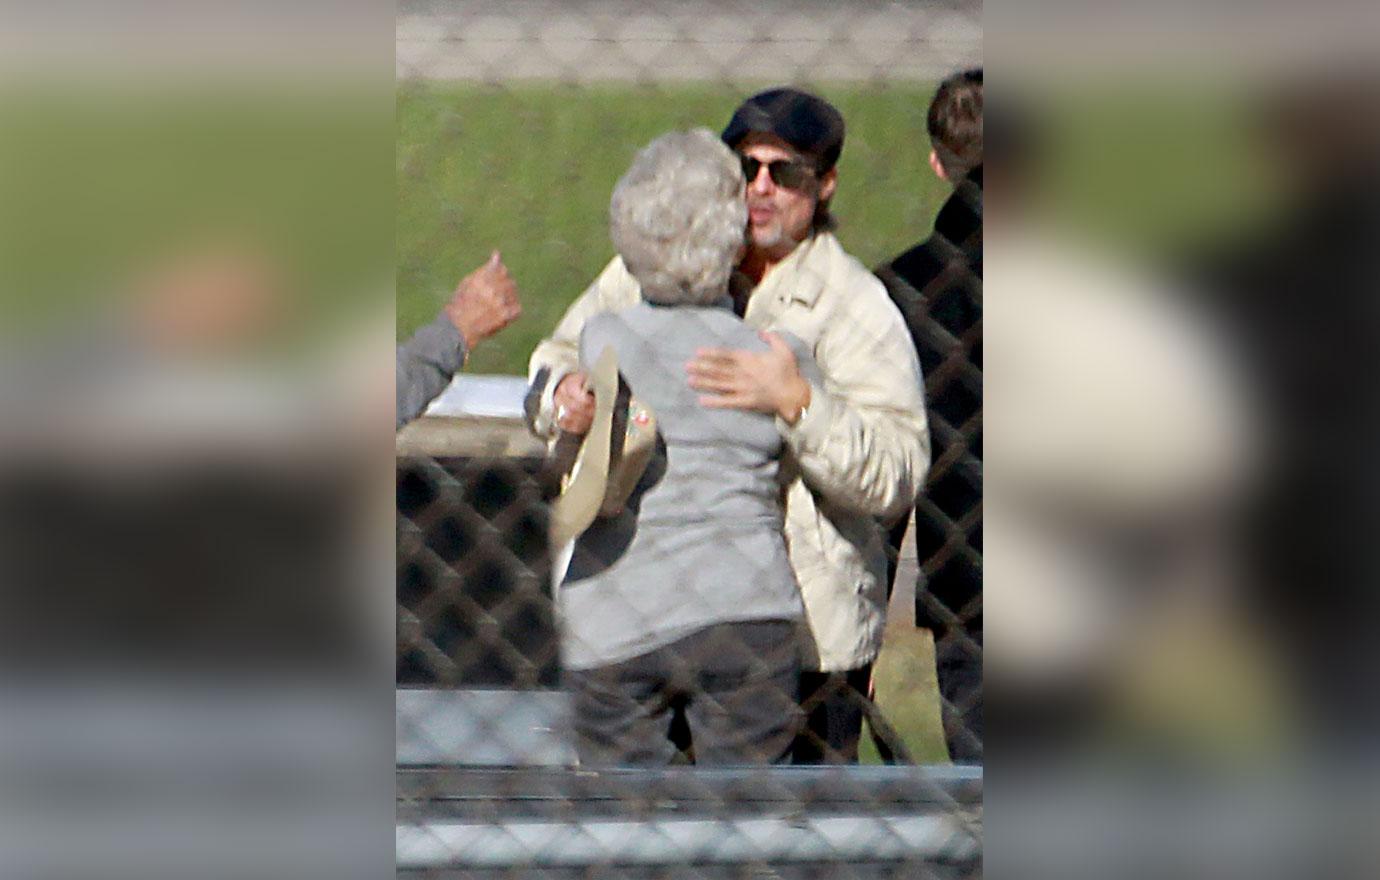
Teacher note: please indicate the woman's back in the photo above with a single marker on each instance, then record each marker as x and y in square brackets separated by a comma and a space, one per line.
[700, 541]
[721, 463]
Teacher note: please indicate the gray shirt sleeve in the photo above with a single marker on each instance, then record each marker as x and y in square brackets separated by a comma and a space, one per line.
[425, 365]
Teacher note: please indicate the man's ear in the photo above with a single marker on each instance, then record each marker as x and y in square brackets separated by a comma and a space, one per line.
[827, 184]
[937, 166]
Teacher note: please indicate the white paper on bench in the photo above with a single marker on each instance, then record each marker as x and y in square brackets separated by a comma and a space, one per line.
[491, 396]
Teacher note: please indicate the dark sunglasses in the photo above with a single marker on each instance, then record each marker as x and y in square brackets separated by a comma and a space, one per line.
[790, 173]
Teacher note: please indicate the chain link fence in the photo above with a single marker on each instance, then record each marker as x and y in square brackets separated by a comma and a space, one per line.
[515, 119]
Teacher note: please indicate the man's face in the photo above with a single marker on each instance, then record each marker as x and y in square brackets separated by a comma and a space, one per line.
[780, 217]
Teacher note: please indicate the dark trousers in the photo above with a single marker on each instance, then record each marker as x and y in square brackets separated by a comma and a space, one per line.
[957, 651]
[832, 702]
[729, 688]
[959, 667]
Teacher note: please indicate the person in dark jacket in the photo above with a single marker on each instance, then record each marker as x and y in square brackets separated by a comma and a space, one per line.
[937, 285]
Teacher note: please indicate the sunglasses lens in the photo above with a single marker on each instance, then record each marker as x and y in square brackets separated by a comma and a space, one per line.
[792, 175]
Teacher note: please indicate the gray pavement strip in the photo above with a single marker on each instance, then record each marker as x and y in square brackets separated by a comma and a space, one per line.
[610, 40]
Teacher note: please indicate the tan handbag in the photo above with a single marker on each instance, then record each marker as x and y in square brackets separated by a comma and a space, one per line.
[611, 458]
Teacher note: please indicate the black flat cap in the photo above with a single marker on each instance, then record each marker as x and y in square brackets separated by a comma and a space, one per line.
[809, 124]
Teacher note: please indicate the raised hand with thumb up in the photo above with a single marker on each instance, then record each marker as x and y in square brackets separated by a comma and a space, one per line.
[484, 302]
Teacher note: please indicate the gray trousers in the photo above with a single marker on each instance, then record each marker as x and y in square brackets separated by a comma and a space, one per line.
[729, 689]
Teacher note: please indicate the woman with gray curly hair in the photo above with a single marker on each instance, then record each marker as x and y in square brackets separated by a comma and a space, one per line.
[684, 605]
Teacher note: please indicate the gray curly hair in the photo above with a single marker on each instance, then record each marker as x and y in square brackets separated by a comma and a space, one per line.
[678, 217]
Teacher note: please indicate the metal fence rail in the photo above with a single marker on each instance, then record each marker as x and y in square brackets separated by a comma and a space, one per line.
[915, 822]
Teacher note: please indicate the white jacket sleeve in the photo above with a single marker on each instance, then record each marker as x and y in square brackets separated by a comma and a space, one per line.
[863, 442]
[559, 354]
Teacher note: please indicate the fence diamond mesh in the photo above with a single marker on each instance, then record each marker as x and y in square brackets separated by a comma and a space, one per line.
[515, 120]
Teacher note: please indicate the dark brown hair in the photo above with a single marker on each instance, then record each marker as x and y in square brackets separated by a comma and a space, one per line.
[955, 123]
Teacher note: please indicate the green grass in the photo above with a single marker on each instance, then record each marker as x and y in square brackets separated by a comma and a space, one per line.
[1150, 172]
[1153, 171]
[99, 184]
[908, 694]
[529, 170]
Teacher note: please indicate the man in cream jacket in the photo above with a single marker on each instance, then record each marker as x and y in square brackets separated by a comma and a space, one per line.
[858, 442]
